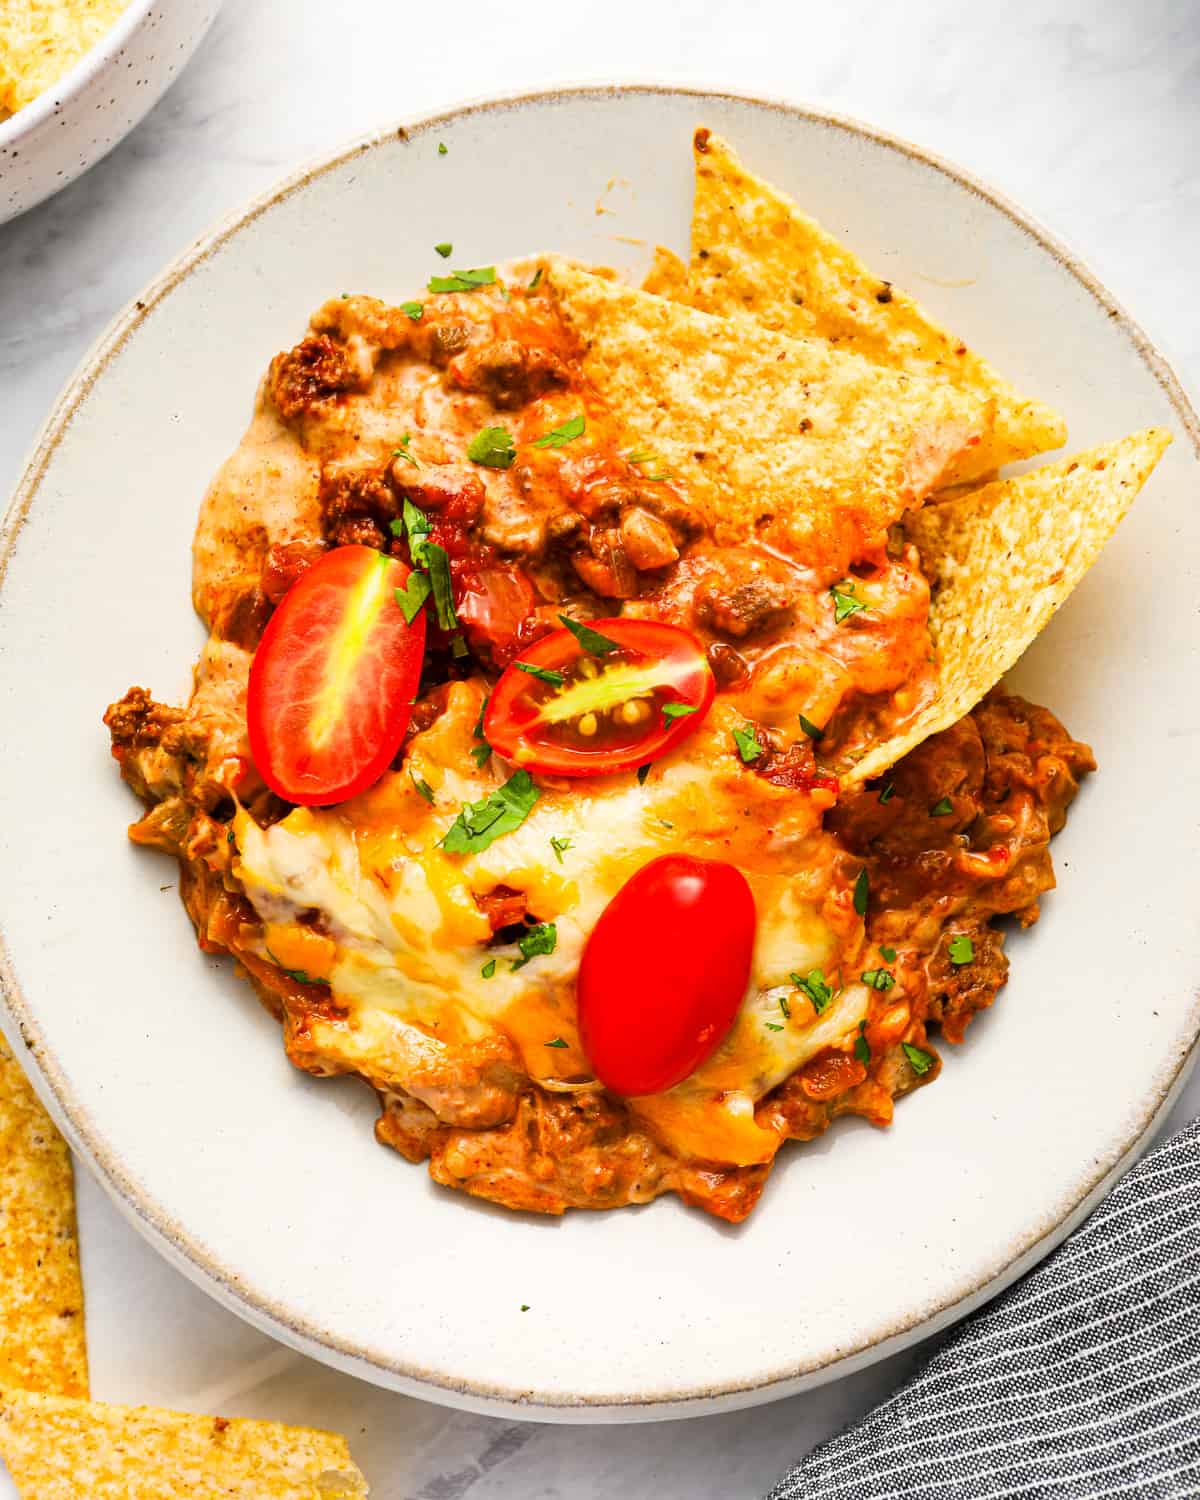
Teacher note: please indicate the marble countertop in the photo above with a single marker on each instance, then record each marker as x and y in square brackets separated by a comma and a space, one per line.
[1084, 111]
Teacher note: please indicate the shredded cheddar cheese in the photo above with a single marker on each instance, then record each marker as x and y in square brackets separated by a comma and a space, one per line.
[41, 39]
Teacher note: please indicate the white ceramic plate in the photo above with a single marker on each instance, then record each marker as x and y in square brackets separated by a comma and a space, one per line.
[264, 1185]
[97, 103]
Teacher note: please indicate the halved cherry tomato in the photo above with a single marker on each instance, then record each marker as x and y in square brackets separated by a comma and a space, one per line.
[332, 681]
[574, 712]
[664, 972]
[492, 603]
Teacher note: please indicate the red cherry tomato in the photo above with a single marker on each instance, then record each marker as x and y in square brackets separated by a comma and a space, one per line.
[493, 603]
[332, 681]
[573, 711]
[664, 972]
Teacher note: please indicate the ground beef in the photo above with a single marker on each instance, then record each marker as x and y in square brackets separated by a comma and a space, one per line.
[315, 372]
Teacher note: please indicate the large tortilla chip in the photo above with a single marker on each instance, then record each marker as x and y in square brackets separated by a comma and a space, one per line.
[60, 1449]
[1002, 560]
[42, 1342]
[756, 256]
[806, 448]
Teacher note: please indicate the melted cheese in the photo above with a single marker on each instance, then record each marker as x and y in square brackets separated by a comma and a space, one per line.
[407, 942]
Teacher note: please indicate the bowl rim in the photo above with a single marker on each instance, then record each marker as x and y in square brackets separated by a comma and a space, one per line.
[70, 84]
[185, 1250]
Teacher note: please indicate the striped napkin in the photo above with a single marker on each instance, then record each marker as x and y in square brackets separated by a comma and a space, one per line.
[1079, 1382]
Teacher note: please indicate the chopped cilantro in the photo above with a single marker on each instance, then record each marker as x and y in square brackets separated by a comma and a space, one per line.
[747, 743]
[524, 1306]
[489, 968]
[673, 711]
[402, 452]
[413, 310]
[642, 773]
[533, 285]
[862, 1048]
[411, 597]
[785, 1007]
[540, 939]
[638, 456]
[443, 592]
[417, 526]
[961, 950]
[493, 448]
[463, 281]
[810, 728]
[298, 975]
[920, 1062]
[844, 602]
[480, 823]
[941, 808]
[560, 847]
[444, 250]
[888, 954]
[888, 792]
[558, 437]
[442, 148]
[816, 987]
[591, 640]
[458, 646]
[557, 1042]
[773, 1025]
[422, 786]
[481, 754]
[478, 730]
[231, 837]
[878, 979]
[862, 892]
[543, 674]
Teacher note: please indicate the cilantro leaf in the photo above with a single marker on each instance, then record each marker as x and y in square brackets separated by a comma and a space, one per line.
[417, 527]
[862, 1048]
[888, 792]
[543, 674]
[961, 950]
[442, 148]
[747, 743]
[493, 448]
[557, 1042]
[560, 846]
[941, 808]
[533, 285]
[642, 773]
[409, 458]
[540, 939]
[673, 711]
[816, 987]
[878, 979]
[422, 786]
[463, 281]
[785, 1007]
[488, 969]
[810, 728]
[445, 249]
[414, 310]
[773, 1025]
[888, 954]
[481, 754]
[591, 640]
[844, 602]
[920, 1062]
[481, 823]
[411, 597]
[862, 893]
[298, 975]
[443, 592]
[558, 437]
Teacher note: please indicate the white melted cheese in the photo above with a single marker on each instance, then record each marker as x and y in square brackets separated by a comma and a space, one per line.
[411, 940]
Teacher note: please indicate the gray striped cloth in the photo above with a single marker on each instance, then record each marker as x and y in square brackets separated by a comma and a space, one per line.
[1082, 1380]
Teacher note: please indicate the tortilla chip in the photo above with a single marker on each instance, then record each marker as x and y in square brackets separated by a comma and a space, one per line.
[60, 1449]
[1002, 560]
[756, 256]
[667, 276]
[42, 1341]
[806, 448]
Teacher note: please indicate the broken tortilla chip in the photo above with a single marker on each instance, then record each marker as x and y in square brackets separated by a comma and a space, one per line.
[667, 276]
[784, 440]
[756, 256]
[1002, 560]
[61, 1449]
[42, 1340]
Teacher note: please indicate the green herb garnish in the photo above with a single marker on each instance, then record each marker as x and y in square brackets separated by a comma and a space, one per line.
[416, 525]
[489, 968]
[888, 792]
[862, 892]
[591, 640]
[810, 728]
[422, 786]
[443, 591]
[481, 823]
[463, 281]
[411, 597]
[493, 448]
[940, 809]
[543, 674]
[785, 1007]
[673, 711]
[816, 987]
[481, 754]
[961, 950]
[642, 773]
[533, 285]
[402, 452]
[557, 1042]
[444, 250]
[747, 743]
[888, 954]
[413, 310]
[773, 1025]
[878, 979]
[442, 148]
[862, 1048]
[557, 437]
[920, 1062]
[844, 602]
[560, 847]
[540, 939]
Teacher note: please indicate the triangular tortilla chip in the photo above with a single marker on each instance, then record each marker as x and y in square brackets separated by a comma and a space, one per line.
[60, 1449]
[42, 1342]
[1001, 561]
[787, 440]
[756, 256]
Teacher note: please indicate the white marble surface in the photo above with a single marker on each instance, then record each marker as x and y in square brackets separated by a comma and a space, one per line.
[1084, 112]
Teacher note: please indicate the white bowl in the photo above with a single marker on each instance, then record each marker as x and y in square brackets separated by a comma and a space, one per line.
[97, 102]
[265, 1185]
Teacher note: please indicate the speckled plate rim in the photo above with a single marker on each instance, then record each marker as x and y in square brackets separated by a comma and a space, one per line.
[254, 1303]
